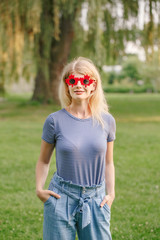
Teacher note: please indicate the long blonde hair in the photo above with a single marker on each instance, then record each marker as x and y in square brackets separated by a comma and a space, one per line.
[97, 102]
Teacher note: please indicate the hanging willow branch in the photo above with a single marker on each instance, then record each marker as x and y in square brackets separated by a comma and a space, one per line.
[21, 23]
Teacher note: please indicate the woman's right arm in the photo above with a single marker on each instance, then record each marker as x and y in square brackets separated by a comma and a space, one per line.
[42, 169]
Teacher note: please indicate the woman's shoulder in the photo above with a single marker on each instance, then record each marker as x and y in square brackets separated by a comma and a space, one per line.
[55, 115]
[108, 117]
[110, 126]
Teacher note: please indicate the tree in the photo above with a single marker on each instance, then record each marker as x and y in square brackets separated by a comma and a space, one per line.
[36, 37]
[150, 72]
[53, 50]
[130, 70]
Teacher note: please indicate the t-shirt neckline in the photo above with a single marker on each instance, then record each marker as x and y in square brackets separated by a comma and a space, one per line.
[79, 119]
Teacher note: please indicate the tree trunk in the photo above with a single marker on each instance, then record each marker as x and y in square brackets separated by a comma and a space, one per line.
[41, 89]
[59, 54]
[45, 90]
[43, 45]
[2, 90]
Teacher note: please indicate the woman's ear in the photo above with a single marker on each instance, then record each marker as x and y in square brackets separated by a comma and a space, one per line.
[94, 85]
[67, 89]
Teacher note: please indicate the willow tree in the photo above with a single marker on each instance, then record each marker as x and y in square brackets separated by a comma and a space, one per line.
[53, 45]
[19, 24]
[37, 37]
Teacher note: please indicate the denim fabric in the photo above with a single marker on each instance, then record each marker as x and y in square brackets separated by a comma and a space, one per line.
[78, 210]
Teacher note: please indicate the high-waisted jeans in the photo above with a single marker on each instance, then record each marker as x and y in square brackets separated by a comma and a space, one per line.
[78, 210]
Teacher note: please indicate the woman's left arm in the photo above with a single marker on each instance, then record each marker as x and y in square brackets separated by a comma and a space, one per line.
[109, 176]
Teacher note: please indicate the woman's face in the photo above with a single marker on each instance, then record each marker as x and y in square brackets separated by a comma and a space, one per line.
[80, 91]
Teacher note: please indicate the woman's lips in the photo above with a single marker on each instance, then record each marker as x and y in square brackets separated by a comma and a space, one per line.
[79, 92]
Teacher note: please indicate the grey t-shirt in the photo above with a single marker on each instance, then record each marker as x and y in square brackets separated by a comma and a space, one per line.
[80, 146]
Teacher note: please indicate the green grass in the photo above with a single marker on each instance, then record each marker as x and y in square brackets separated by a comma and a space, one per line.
[135, 211]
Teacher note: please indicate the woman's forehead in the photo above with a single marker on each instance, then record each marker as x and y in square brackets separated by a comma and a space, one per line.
[79, 75]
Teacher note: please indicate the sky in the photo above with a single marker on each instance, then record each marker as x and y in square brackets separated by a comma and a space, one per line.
[143, 17]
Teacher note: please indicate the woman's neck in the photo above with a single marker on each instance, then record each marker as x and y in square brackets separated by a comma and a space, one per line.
[79, 111]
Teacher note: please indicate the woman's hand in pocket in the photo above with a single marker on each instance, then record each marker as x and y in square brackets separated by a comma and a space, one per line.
[108, 199]
[45, 194]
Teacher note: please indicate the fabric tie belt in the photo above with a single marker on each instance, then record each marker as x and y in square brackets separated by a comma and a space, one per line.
[82, 203]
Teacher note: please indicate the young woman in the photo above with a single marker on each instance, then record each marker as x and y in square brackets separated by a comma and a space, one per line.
[82, 189]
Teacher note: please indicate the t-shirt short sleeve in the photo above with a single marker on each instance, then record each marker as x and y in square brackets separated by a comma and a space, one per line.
[48, 133]
[112, 129]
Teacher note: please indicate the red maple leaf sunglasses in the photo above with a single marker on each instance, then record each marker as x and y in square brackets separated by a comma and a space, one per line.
[72, 80]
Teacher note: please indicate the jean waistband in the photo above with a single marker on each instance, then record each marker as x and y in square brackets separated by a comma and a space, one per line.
[82, 202]
[74, 185]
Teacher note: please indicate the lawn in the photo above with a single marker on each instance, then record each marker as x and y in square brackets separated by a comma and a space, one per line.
[135, 211]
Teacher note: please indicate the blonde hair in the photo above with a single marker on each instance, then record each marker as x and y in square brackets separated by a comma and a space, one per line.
[97, 102]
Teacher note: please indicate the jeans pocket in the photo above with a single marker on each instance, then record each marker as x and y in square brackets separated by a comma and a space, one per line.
[50, 204]
[48, 200]
[107, 208]
[102, 213]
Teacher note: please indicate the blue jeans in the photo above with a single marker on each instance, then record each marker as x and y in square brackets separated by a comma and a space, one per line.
[78, 209]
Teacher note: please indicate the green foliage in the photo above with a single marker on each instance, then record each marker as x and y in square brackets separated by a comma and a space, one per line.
[28, 28]
[127, 89]
[130, 70]
[151, 72]
[111, 77]
[19, 22]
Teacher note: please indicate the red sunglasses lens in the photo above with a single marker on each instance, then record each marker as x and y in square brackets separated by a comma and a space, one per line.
[72, 81]
[86, 81]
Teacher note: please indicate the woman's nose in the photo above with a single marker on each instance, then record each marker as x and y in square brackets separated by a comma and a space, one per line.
[79, 83]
